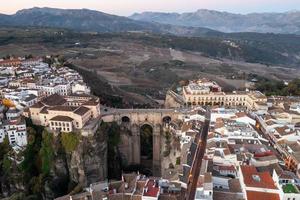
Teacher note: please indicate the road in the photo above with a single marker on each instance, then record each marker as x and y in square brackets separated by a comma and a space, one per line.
[201, 140]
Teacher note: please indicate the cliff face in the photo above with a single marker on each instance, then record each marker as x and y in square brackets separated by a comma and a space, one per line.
[69, 171]
[88, 164]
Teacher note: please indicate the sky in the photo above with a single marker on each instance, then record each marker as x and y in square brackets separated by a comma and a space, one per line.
[128, 7]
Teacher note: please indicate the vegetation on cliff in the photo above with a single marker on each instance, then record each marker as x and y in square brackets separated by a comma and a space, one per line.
[114, 161]
[70, 141]
[146, 137]
[34, 171]
[272, 87]
[168, 146]
[4, 160]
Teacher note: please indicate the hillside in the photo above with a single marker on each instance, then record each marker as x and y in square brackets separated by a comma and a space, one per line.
[271, 49]
[287, 23]
[124, 69]
[85, 20]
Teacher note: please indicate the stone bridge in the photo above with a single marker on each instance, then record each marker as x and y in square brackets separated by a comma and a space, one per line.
[134, 120]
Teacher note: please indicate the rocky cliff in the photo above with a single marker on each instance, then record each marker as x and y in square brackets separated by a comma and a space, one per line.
[52, 165]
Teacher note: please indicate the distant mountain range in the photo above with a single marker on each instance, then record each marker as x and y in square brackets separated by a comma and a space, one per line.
[288, 22]
[91, 21]
[199, 23]
[266, 48]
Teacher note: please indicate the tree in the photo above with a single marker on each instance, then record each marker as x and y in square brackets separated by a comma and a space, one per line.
[46, 152]
[70, 141]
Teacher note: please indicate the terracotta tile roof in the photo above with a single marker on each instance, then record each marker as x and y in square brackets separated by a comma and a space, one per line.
[229, 168]
[140, 187]
[54, 100]
[270, 122]
[226, 151]
[219, 123]
[186, 126]
[81, 111]
[234, 185]
[241, 114]
[152, 190]
[221, 195]
[63, 108]
[44, 110]
[92, 102]
[270, 168]
[268, 117]
[207, 177]
[37, 105]
[252, 178]
[284, 130]
[10, 61]
[251, 195]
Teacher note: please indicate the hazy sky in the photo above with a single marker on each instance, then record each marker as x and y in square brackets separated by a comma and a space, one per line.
[127, 7]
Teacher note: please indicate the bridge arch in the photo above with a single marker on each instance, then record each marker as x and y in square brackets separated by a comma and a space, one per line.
[146, 145]
[135, 120]
[166, 119]
[125, 119]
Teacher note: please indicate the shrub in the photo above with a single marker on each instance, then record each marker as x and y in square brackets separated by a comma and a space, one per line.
[46, 152]
[178, 161]
[6, 164]
[70, 141]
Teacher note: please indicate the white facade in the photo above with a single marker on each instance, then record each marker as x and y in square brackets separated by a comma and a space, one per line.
[80, 89]
[16, 132]
[13, 113]
[32, 62]
[2, 135]
[61, 89]
[3, 81]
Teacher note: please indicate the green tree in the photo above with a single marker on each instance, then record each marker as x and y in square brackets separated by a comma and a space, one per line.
[6, 164]
[70, 141]
[46, 152]
[4, 148]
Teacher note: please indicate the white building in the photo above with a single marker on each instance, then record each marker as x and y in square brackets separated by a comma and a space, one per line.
[13, 113]
[2, 135]
[286, 184]
[32, 62]
[257, 185]
[16, 132]
[80, 88]
[61, 89]
[3, 80]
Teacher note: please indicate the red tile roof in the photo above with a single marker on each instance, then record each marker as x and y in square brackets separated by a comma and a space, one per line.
[152, 190]
[263, 180]
[251, 195]
[10, 62]
[227, 168]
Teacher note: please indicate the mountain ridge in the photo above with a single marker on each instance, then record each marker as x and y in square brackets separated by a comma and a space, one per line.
[86, 20]
[283, 23]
